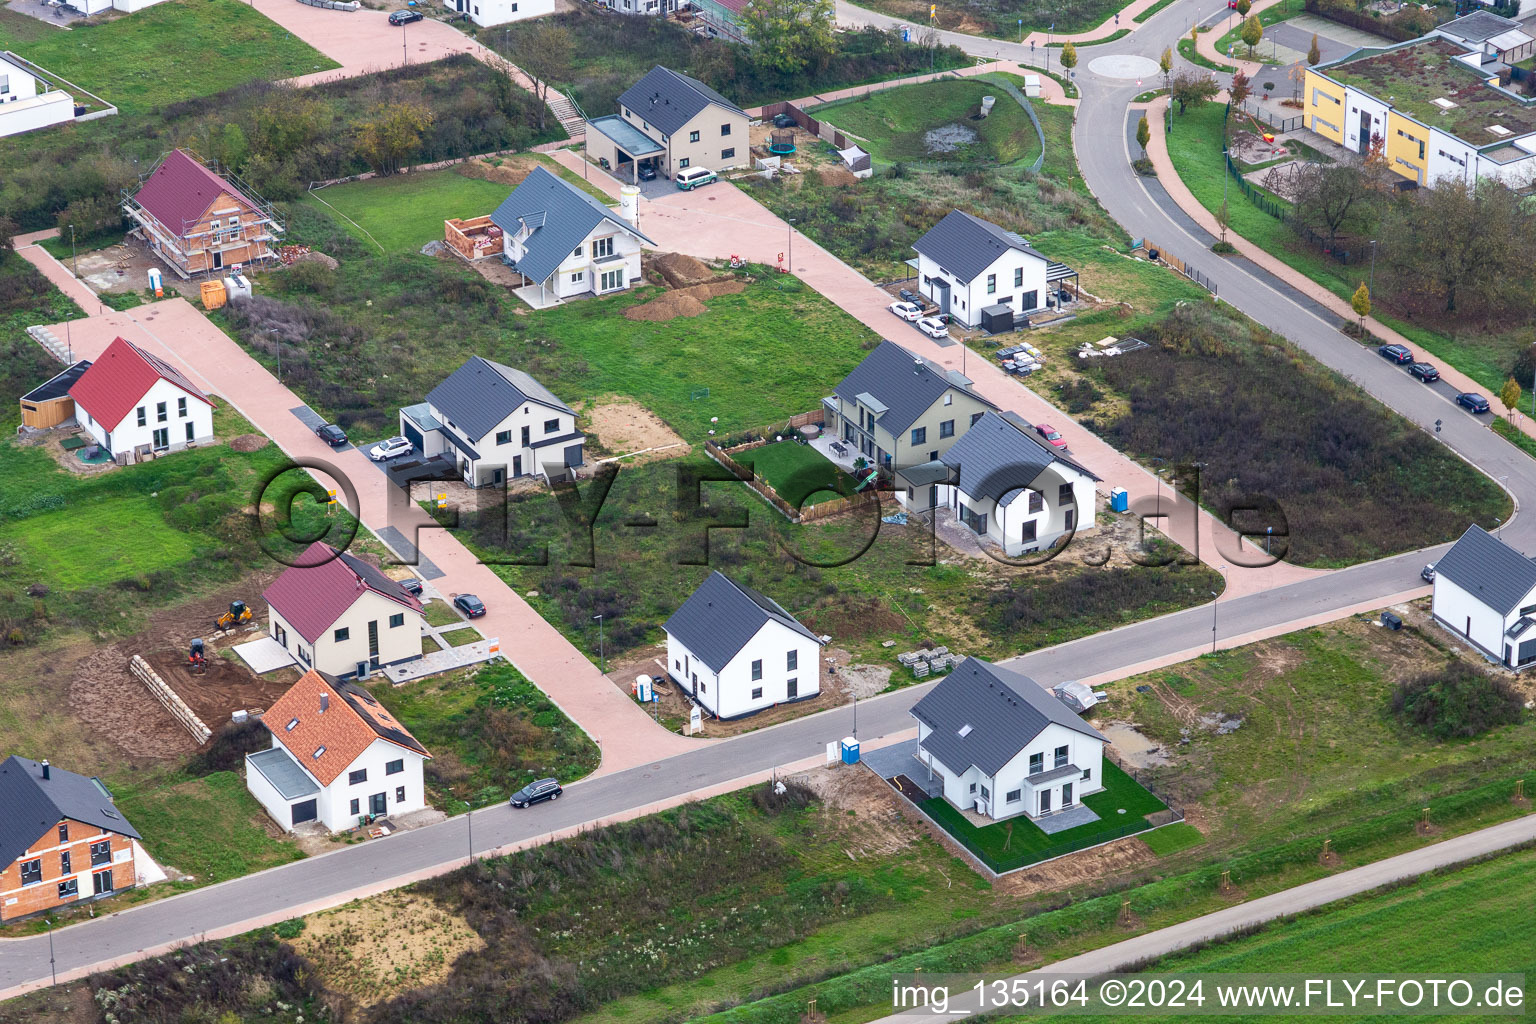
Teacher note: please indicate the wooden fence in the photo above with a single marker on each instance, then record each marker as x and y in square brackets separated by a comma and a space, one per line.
[168, 697]
[820, 129]
[820, 510]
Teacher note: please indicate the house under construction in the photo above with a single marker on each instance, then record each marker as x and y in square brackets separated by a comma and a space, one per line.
[199, 222]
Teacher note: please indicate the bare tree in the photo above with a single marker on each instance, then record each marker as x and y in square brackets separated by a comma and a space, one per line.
[1328, 196]
[1463, 243]
[542, 50]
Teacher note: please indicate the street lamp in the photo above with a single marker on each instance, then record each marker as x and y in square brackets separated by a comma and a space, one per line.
[405, 55]
[74, 254]
[278, 347]
[1214, 596]
[791, 223]
[52, 967]
[469, 819]
[602, 656]
[1371, 288]
[1158, 473]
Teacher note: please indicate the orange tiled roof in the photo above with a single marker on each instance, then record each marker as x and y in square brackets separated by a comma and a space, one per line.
[327, 725]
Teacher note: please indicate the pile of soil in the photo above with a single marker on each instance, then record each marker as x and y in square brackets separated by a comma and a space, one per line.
[317, 257]
[682, 301]
[249, 442]
[836, 175]
[510, 171]
[680, 271]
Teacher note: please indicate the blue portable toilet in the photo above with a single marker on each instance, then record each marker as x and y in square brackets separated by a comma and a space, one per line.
[850, 750]
[1120, 500]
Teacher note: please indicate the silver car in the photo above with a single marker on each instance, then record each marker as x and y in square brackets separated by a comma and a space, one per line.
[389, 448]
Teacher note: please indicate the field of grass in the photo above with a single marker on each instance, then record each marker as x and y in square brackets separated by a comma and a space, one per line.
[490, 731]
[26, 298]
[460, 637]
[1002, 20]
[172, 51]
[1194, 146]
[404, 212]
[1269, 16]
[441, 613]
[97, 544]
[797, 472]
[894, 124]
[1122, 807]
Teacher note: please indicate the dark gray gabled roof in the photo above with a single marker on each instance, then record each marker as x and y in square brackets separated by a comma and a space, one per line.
[31, 806]
[667, 100]
[966, 246]
[903, 382]
[57, 387]
[561, 215]
[999, 710]
[1479, 26]
[481, 393]
[720, 617]
[1000, 454]
[1488, 569]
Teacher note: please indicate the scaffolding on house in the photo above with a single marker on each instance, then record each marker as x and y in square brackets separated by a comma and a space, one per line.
[176, 249]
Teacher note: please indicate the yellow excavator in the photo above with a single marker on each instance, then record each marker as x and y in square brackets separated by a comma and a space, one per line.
[237, 615]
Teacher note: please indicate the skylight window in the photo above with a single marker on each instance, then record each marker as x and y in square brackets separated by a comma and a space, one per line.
[318, 752]
[1499, 130]
[289, 727]
[965, 731]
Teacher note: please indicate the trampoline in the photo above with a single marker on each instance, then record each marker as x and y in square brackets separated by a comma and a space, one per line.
[782, 143]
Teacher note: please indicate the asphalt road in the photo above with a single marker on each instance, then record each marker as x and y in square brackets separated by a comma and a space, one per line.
[1104, 157]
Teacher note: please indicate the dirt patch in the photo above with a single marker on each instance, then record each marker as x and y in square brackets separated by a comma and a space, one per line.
[497, 272]
[679, 270]
[52, 441]
[619, 426]
[226, 687]
[677, 302]
[861, 813]
[249, 442]
[506, 170]
[376, 948]
[1090, 867]
[1136, 747]
[123, 268]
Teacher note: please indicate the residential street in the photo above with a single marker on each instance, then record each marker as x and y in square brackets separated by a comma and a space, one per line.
[645, 768]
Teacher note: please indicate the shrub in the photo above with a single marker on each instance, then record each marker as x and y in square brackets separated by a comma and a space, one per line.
[1224, 248]
[1456, 702]
[227, 749]
[1144, 167]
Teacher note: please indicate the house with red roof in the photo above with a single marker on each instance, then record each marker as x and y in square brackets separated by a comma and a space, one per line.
[337, 755]
[335, 612]
[199, 222]
[135, 403]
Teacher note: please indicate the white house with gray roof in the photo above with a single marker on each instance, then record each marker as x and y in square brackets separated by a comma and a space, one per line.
[1485, 593]
[565, 242]
[966, 265]
[1004, 483]
[900, 410]
[736, 651]
[673, 123]
[498, 424]
[1001, 745]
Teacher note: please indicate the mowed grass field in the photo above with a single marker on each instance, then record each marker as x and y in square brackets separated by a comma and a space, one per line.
[165, 53]
[893, 125]
[91, 544]
[403, 212]
[798, 472]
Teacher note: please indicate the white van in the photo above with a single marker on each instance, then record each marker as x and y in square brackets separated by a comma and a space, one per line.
[693, 177]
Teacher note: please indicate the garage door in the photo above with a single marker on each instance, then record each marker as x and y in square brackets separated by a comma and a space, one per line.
[413, 435]
[303, 812]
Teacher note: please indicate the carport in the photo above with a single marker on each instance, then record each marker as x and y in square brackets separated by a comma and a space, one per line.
[614, 142]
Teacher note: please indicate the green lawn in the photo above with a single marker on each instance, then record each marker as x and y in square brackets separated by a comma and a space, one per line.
[797, 472]
[460, 637]
[169, 52]
[1267, 17]
[1122, 807]
[1172, 838]
[86, 546]
[892, 125]
[490, 731]
[406, 211]
[441, 613]
[208, 828]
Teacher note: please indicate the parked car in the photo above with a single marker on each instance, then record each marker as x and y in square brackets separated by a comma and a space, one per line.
[398, 18]
[411, 585]
[933, 326]
[647, 172]
[1425, 372]
[783, 121]
[534, 792]
[693, 177]
[907, 295]
[389, 448]
[1427, 574]
[908, 311]
[331, 434]
[1473, 402]
[470, 605]
[1051, 434]
[1397, 353]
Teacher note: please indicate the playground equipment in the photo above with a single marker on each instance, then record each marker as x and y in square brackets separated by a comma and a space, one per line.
[782, 143]
[869, 479]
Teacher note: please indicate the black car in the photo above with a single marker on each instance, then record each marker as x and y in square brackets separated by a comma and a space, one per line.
[411, 585]
[1397, 353]
[544, 789]
[783, 121]
[331, 434]
[470, 605]
[647, 172]
[1425, 372]
[404, 17]
[1473, 401]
